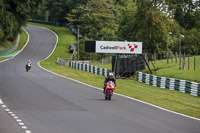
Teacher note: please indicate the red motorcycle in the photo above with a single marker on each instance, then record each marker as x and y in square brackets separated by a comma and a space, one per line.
[110, 86]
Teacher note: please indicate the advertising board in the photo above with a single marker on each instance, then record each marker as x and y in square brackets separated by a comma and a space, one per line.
[118, 47]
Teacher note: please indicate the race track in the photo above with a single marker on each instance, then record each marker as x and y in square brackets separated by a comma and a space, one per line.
[47, 103]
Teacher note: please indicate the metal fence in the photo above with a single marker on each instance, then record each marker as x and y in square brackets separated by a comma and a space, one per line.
[183, 86]
[89, 68]
[61, 61]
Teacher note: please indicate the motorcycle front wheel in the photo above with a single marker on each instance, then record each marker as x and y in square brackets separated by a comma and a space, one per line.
[109, 95]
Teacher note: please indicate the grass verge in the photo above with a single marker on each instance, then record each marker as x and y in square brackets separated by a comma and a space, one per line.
[22, 42]
[171, 70]
[172, 100]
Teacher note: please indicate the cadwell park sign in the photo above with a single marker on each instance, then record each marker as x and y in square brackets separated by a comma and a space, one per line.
[122, 66]
[118, 47]
[113, 47]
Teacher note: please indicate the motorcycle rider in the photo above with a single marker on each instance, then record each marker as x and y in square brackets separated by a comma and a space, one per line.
[29, 62]
[28, 65]
[110, 77]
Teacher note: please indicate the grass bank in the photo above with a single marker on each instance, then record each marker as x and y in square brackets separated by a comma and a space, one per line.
[171, 70]
[172, 100]
[22, 42]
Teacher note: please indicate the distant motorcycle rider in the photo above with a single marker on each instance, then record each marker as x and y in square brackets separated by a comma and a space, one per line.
[28, 65]
[110, 77]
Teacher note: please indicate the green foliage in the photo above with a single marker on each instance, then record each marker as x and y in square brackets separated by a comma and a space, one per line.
[186, 13]
[51, 10]
[191, 42]
[93, 19]
[42, 12]
[127, 21]
[151, 21]
[14, 14]
[96, 21]
[57, 10]
[145, 23]
[1, 34]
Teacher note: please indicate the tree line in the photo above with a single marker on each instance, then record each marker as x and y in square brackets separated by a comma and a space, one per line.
[159, 24]
[13, 15]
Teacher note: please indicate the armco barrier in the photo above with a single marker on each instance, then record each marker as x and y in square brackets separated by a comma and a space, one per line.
[88, 68]
[61, 61]
[183, 86]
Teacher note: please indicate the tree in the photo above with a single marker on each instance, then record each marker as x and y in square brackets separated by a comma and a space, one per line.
[42, 12]
[93, 18]
[127, 20]
[14, 14]
[150, 26]
[186, 13]
[96, 21]
[191, 42]
[59, 8]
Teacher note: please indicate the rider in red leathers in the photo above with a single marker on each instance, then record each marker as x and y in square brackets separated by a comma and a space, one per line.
[110, 77]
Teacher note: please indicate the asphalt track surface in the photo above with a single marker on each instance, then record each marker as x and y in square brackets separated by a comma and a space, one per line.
[47, 103]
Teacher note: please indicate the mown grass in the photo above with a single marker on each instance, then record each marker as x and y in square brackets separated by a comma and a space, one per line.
[171, 70]
[22, 42]
[172, 100]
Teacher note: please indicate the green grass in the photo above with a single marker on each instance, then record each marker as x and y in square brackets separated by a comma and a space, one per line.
[107, 66]
[171, 70]
[172, 100]
[22, 42]
[5, 45]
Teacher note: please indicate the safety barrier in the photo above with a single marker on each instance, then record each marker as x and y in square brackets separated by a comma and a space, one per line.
[88, 68]
[184, 86]
[61, 61]
[11, 48]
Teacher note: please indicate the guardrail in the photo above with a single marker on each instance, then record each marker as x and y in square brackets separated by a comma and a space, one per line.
[61, 61]
[89, 68]
[192, 88]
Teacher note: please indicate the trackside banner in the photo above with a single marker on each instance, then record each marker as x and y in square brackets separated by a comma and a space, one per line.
[118, 47]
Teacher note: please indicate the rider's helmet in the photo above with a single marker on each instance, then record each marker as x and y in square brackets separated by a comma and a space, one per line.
[110, 75]
[29, 62]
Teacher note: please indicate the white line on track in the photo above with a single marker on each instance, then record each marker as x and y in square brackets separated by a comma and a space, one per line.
[21, 124]
[7, 110]
[4, 106]
[19, 121]
[1, 102]
[15, 117]
[24, 127]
